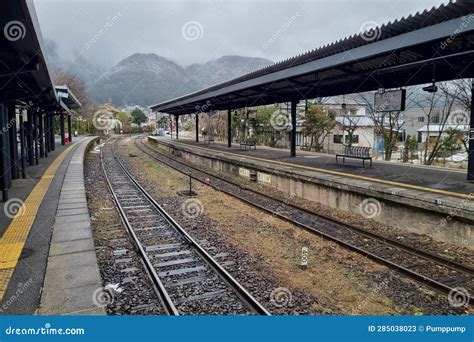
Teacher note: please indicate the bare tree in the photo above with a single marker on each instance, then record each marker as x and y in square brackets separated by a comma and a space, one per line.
[78, 88]
[448, 98]
[428, 111]
[461, 91]
[387, 124]
[349, 124]
[318, 123]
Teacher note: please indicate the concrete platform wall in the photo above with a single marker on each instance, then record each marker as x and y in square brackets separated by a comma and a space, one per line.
[443, 219]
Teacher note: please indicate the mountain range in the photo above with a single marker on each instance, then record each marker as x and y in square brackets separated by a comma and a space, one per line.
[146, 79]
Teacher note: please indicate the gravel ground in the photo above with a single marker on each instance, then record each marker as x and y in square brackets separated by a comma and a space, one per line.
[192, 284]
[433, 270]
[450, 251]
[123, 275]
[262, 253]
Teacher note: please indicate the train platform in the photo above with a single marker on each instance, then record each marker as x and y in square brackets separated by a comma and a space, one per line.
[423, 178]
[45, 256]
[433, 201]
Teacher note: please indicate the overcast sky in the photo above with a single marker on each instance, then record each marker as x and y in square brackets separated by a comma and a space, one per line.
[106, 31]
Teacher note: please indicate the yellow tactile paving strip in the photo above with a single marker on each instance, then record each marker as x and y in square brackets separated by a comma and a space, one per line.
[338, 173]
[14, 238]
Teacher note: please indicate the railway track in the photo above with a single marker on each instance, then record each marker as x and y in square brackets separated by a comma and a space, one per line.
[188, 280]
[441, 274]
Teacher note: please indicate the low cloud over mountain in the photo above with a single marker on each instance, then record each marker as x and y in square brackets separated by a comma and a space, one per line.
[146, 79]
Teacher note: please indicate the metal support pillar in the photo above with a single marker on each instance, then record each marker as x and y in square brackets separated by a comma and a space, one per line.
[229, 127]
[171, 126]
[22, 144]
[4, 174]
[177, 130]
[69, 126]
[36, 136]
[197, 127]
[470, 163]
[46, 135]
[8, 162]
[61, 128]
[293, 128]
[53, 131]
[12, 136]
[29, 137]
[41, 134]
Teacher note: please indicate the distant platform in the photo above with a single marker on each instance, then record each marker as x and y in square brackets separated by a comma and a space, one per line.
[425, 178]
[426, 200]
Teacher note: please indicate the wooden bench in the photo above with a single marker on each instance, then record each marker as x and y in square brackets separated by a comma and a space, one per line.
[250, 143]
[356, 152]
[209, 140]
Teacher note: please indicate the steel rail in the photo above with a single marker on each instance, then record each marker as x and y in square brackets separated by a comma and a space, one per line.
[239, 290]
[390, 242]
[410, 249]
[157, 283]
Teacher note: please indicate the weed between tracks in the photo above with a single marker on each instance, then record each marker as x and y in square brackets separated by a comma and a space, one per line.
[444, 249]
[132, 292]
[337, 281]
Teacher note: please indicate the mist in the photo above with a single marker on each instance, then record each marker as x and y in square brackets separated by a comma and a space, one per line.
[189, 32]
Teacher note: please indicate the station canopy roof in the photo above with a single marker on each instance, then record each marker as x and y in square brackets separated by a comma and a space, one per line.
[24, 73]
[67, 96]
[436, 44]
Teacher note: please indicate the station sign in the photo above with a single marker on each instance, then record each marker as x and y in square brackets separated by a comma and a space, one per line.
[244, 172]
[264, 177]
[214, 114]
[62, 94]
[390, 101]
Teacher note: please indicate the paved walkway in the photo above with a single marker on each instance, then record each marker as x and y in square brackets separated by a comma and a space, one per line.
[21, 188]
[423, 177]
[72, 283]
[25, 240]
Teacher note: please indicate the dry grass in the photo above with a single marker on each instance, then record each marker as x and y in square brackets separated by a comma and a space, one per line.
[334, 274]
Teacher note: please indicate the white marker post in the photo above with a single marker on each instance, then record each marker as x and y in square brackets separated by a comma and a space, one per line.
[304, 258]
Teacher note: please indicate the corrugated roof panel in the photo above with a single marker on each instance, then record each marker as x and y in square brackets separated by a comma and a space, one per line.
[452, 10]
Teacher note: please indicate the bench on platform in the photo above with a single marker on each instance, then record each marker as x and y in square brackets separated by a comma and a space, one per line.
[250, 143]
[209, 140]
[355, 152]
